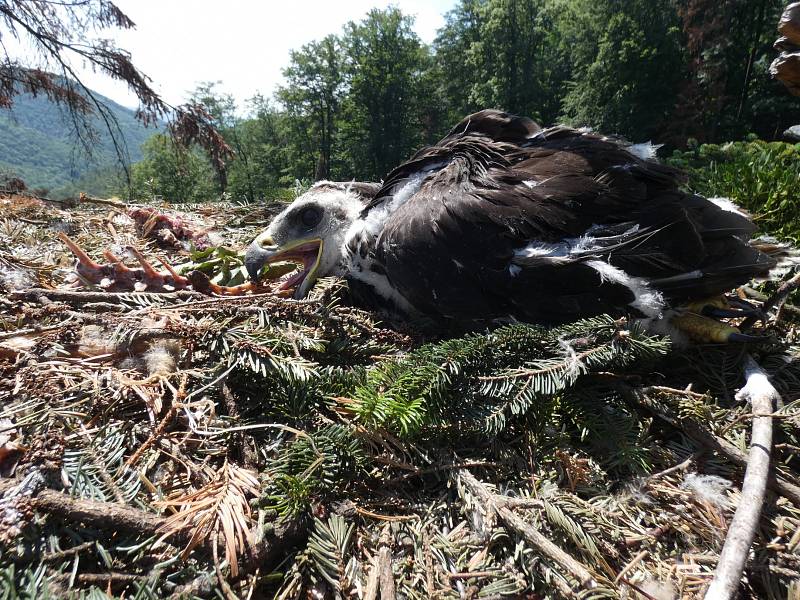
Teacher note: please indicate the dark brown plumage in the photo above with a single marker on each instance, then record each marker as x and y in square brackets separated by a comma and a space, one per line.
[503, 220]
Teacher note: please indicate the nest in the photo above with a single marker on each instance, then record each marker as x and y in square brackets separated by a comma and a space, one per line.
[175, 444]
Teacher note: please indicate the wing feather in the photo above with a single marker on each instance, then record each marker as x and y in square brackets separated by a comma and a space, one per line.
[497, 185]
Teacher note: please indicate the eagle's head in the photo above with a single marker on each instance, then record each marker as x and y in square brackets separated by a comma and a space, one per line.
[310, 231]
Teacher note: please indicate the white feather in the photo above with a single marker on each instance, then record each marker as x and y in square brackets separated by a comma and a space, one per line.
[644, 151]
[360, 269]
[727, 205]
[648, 301]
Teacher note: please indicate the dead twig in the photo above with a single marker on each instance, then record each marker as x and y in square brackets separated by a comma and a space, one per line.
[104, 515]
[386, 576]
[157, 433]
[777, 300]
[756, 295]
[530, 533]
[76, 297]
[638, 398]
[762, 397]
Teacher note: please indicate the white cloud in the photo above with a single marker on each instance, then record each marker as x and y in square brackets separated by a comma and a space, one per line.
[242, 43]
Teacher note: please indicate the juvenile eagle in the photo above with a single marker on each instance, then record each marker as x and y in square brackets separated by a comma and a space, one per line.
[503, 220]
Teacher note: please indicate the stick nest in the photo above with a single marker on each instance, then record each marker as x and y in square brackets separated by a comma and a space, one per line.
[178, 445]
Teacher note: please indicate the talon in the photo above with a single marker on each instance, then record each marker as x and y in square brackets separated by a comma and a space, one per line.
[730, 313]
[744, 338]
[179, 280]
[743, 304]
[86, 268]
[150, 277]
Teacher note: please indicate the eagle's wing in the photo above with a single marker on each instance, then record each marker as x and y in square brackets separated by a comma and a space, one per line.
[502, 219]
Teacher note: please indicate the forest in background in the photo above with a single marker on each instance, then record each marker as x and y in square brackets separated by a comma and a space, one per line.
[356, 104]
[37, 144]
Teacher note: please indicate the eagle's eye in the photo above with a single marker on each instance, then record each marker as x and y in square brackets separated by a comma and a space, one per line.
[310, 216]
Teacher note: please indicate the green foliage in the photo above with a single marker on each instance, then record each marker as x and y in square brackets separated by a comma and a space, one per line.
[312, 97]
[29, 584]
[328, 548]
[503, 54]
[624, 79]
[97, 471]
[381, 123]
[727, 89]
[37, 143]
[325, 462]
[762, 177]
[487, 380]
[168, 172]
[357, 103]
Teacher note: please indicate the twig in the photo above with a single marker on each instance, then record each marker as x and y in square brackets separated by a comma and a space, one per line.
[386, 576]
[756, 295]
[83, 198]
[626, 569]
[371, 589]
[366, 513]
[679, 467]
[104, 515]
[639, 398]
[53, 556]
[113, 578]
[530, 533]
[762, 396]
[155, 436]
[76, 297]
[473, 575]
[776, 300]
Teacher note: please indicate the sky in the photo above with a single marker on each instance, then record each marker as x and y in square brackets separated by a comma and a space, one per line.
[242, 43]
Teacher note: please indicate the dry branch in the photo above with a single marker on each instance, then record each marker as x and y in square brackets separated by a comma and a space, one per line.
[386, 576]
[36, 294]
[528, 531]
[109, 516]
[777, 300]
[639, 398]
[762, 396]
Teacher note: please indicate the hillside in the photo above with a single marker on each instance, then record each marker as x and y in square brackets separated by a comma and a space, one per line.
[38, 144]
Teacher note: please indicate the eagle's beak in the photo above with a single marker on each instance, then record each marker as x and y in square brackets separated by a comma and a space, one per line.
[307, 252]
[259, 254]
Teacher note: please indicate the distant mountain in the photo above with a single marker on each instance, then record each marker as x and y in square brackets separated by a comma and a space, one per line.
[38, 144]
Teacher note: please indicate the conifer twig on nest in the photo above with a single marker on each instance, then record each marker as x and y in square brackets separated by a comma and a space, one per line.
[531, 534]
[762, 396]
[779, 485]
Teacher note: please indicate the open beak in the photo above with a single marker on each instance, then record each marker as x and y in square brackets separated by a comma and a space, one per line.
[306, 252]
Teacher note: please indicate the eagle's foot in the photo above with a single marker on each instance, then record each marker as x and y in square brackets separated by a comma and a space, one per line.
[699, 320]
[116, 276]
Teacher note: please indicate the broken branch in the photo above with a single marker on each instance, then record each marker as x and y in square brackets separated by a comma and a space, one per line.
[529, 532]
[762, 396]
